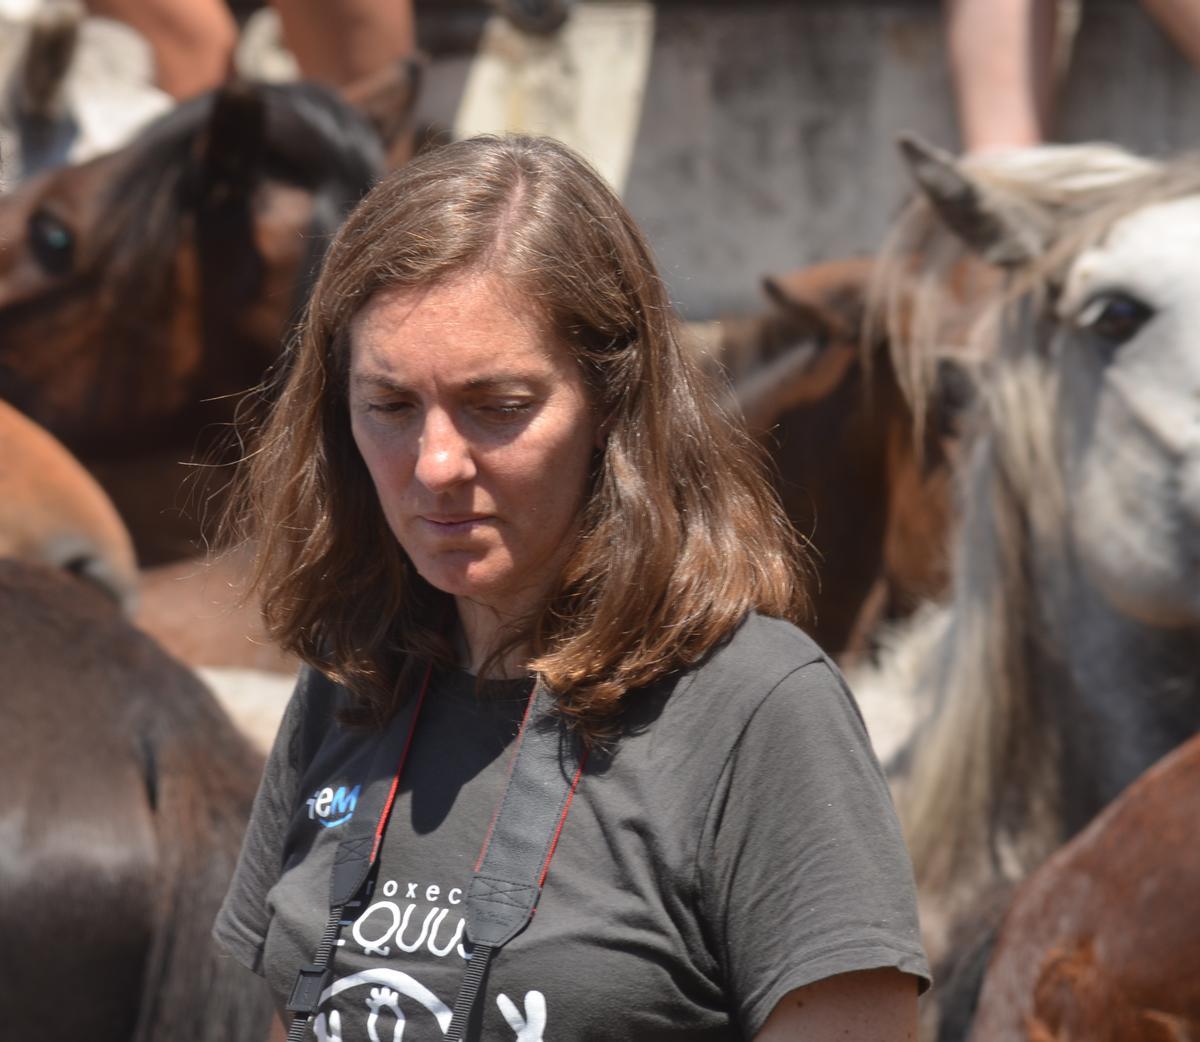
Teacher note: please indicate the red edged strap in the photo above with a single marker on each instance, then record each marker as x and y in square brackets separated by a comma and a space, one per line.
[512, 867]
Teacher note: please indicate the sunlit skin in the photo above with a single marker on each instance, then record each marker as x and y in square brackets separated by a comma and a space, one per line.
[863, 1006]
[477, 430]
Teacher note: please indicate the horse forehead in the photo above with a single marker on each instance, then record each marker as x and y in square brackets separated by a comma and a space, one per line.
[1150, 250]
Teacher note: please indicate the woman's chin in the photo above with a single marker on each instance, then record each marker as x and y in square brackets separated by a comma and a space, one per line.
[467, 583]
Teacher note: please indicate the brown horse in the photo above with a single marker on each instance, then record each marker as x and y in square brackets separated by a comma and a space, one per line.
[141, 293]
[1102, 943]
[859, 476]
[52, 511]
[126, 794]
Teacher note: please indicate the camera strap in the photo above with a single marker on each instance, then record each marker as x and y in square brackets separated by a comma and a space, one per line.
[512, 865]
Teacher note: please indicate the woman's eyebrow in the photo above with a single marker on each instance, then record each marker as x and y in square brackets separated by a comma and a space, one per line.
[378, 380]
[493, 383]
[506, 381]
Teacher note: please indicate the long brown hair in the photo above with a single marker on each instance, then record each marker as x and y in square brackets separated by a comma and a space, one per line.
[681, 535]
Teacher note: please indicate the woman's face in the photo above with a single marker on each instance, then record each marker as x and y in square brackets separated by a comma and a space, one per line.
[476, 428]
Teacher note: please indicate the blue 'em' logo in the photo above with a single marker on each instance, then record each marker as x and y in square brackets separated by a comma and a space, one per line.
[333, 807]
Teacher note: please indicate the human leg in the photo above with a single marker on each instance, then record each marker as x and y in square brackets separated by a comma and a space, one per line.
[342, 41]
[1002, 63]
[192, 40]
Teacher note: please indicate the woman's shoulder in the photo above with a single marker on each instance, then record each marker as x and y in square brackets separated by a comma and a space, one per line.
[311, 714]
[760, 654]
[763, 638]
[766, 668]
[316, 700]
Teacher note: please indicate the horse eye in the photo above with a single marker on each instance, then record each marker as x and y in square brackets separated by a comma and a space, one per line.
[1115, 317]
[52, 242]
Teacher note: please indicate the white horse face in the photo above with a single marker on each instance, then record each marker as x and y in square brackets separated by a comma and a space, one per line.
[1128, 354]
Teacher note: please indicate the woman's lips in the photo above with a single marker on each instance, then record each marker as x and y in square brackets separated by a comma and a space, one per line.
[454, 524]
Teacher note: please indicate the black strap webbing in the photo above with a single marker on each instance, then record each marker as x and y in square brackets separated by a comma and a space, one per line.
[512, 865]
[355, 855]
[516, 854]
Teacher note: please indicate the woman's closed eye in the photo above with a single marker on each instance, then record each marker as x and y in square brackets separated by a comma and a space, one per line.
[387, 406]
[505, 408]
[490, 410]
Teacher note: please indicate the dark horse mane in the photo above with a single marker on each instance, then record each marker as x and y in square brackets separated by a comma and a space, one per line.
[206, 154]
[127, 791]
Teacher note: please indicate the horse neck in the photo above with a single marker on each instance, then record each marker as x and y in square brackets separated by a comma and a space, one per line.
[1047, 700]
[1119, 693]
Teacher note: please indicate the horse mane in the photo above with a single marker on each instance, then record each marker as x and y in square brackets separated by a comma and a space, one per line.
[981, 772]
[312, 139]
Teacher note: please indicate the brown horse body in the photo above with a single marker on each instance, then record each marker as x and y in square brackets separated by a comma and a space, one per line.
[126, 794]
[126, 787]
[1102, 944]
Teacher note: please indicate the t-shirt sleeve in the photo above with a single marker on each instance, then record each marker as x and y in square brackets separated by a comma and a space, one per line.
[804, 872]
[241, 924]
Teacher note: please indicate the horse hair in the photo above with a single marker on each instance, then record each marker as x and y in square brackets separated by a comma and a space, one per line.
[313, 140]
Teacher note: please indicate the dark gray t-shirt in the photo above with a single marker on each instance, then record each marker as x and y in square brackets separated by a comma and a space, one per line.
[738, 841]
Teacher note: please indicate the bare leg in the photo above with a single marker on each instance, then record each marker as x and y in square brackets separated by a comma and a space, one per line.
[1002, 62]
[341, 41]
[1180, 19]
[192, 40]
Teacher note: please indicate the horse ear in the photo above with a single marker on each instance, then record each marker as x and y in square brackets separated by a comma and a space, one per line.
[232, 145]
[48, 54]
[387, 99]
[230, 163]
[810, 320]
[1001, 229]
[808, 371]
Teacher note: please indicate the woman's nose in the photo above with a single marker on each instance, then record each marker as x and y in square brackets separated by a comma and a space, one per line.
[444, 456]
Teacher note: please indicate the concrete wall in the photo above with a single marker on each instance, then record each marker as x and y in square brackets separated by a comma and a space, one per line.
[766, 128]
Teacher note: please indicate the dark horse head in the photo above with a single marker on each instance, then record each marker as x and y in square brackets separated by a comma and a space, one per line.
[140, 292]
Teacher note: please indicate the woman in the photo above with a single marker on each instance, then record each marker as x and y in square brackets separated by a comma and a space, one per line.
[491, 461]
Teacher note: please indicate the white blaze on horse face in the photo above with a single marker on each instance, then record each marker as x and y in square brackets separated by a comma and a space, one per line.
[1130, 417]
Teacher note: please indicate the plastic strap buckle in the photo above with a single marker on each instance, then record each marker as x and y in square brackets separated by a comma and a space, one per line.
[306, 992]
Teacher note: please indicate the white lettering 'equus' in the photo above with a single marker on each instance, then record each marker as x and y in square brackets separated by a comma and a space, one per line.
[394, 925]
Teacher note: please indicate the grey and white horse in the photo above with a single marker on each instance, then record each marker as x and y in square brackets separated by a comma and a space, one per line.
[1066, 659]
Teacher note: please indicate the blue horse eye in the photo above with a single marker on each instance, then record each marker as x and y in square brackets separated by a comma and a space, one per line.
[51, 242]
